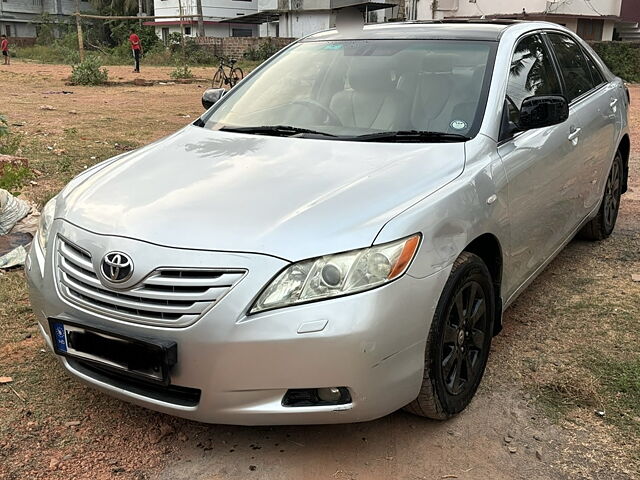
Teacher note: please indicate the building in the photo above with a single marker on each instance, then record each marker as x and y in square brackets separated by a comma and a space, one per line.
[216, 14]
[266, 18]
[20, 19]
[299, 18]
[591, 19]
[628, 28]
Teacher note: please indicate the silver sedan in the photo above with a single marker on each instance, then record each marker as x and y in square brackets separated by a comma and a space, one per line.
[338, 236]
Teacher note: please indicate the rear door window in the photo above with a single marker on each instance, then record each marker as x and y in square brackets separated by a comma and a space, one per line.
[573, 65]
[596, 74]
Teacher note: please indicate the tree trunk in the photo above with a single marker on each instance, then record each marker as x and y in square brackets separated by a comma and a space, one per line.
[200, 18]
[79, 30]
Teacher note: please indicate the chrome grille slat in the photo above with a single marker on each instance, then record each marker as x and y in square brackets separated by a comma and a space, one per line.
[167, 297]
[210, 294]
[75, 256]
[121, 300]
[224, 280]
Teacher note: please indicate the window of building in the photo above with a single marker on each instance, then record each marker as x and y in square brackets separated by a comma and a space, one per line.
[590, 29]
[573, 64]
[7, 30]
[187, 30]
[241, 32]
[531, 73]
[165, 35]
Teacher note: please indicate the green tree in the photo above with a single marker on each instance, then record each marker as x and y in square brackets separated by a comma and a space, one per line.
[116, 7]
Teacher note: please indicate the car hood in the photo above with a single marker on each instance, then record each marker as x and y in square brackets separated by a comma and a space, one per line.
[293, 198]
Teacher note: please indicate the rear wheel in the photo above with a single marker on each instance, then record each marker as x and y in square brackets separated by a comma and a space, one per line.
[602, 225]
[459, 341]
[218, 79]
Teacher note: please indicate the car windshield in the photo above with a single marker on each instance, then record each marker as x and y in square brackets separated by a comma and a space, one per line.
[364, 89]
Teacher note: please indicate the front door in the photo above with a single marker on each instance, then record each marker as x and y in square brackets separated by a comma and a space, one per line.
[540, 165]
[596, 102]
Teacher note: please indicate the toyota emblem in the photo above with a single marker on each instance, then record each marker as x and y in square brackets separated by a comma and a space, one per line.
[117, 267]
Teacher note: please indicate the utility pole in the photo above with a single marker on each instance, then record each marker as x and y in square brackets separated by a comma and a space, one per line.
[140, 11]
[200, 18]
[79, 29]
[181, 27]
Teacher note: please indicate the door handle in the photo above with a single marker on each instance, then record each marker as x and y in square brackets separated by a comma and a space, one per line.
[614, 102]
[574, 132]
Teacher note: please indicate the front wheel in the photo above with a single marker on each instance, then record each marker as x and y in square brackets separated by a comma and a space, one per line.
[602, 225]
[458, 342]
[218, 79]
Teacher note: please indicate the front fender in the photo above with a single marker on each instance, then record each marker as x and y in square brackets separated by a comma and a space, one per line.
[473, 204]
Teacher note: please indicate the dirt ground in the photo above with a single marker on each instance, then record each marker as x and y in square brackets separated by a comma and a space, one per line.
[560, 399]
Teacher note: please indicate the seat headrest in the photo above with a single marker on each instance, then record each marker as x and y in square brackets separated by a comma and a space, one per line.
[370, 74]
[437, 63]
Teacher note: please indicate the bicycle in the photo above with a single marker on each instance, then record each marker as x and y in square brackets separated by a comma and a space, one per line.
[221, 79]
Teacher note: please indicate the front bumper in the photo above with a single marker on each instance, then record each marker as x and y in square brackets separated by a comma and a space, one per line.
[372, 342]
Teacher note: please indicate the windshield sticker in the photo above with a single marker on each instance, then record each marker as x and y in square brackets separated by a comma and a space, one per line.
[458, 124]
[333, 46]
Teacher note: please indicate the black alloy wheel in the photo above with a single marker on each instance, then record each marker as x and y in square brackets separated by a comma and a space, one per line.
[459, 340]
[463, 340]
[602, 225]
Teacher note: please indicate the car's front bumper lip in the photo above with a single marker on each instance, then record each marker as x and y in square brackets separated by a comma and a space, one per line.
[372, 342]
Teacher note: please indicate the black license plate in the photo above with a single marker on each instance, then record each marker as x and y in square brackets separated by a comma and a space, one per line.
[141, 358]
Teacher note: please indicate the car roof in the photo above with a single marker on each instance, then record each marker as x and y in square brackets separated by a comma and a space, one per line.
[487, 30]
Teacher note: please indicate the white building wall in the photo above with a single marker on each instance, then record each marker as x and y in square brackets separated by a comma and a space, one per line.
[568, 11]
[464, 8]
[301, 24]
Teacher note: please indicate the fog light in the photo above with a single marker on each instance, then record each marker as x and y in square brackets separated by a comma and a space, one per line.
[314, 397]
[330, 395]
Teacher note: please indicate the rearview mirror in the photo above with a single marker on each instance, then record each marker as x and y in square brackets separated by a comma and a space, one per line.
[543, 111]
[211, 96]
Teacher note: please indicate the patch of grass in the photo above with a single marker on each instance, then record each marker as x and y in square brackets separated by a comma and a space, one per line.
[10, 144]
[619, 379]
[14, 176]
[568, 390]
[181, 72]
[89, 72]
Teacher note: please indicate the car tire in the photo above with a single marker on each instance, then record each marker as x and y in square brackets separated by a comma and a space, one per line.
[459, 341]
[602, 225]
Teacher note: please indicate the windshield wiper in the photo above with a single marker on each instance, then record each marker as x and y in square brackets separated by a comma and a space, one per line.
[276, 130]
[411, 136]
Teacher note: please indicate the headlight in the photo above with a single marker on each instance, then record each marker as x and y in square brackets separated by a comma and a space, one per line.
[337, 275]
[46, 219]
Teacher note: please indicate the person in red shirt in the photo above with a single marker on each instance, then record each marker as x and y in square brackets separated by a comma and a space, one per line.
[136, 47]
[4, 46]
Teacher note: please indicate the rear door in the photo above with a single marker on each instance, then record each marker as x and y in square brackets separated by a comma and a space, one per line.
[594, 101]
[540, 164]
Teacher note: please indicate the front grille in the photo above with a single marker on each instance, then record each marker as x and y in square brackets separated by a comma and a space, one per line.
[167, 297]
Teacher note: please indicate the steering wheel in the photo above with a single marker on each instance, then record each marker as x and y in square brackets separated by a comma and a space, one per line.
[318, 106]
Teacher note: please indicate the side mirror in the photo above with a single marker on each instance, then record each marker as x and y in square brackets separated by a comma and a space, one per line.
[211, 96]
[543, 111]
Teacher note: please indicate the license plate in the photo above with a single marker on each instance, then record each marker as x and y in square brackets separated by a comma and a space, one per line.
[141, 358]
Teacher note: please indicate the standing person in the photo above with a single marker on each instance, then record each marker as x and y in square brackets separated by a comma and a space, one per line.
[136, 47]
[4, 46]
